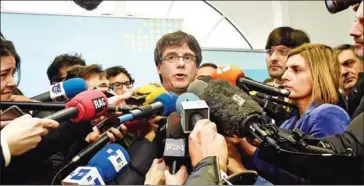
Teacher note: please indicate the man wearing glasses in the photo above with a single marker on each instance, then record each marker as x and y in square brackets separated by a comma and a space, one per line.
[177, 57]
[120, 79]
[280, 41]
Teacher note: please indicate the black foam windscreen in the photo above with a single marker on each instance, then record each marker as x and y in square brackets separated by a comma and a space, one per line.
[229, 105]
[88, 4]
[197, 87]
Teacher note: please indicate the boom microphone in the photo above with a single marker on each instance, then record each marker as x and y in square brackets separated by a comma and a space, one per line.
[228, 105]
[235, 112]
[63, 90]
[235, 76]
[88, 4]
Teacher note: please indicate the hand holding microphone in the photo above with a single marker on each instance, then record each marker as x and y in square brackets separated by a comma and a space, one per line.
[112, 133]
[155, 174]
[24, 133]
[204, 141]
[177, 179]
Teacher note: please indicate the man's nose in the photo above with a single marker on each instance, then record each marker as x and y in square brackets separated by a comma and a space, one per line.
[180, 62]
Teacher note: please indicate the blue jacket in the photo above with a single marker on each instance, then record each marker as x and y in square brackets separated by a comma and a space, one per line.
[318, 121]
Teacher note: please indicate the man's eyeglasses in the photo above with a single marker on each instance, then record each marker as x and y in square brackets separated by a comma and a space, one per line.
[120, 85]
[174, 58]
[280, 52]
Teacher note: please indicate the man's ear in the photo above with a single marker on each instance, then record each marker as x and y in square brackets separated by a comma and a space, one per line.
[158, 68]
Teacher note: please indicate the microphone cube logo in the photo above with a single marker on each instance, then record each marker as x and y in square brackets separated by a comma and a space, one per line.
[99, 103]
[56, 88]
[78, 175]
[175, 147]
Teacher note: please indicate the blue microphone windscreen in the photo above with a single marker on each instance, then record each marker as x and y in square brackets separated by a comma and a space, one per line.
[169, 102]
[185, 97]
[74, 86]
[110, 161]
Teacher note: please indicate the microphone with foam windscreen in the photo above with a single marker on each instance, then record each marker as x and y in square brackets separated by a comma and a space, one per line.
[169, 103]
[63, 91]
[147, 93]
[235, 76]
[85, 106]
[88, 4]
[191, 109]
[144, 95]
[175, 147]
[234, 111]
[109, 162]
[197, 87]
[163, 105]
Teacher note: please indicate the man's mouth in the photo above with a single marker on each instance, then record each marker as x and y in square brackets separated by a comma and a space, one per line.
[274, 66]
[180, 76]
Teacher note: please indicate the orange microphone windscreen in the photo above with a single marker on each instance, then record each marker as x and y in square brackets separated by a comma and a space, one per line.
[228, 73]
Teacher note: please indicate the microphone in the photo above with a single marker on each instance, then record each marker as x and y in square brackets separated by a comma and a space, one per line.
[228, 105]
[197, 87]
[109, 162]
[33, 105]
[146, 94]
[85, 106]
[160, 106]
[88, 4]
[175, 144]
[169, 102]
[191, 109]
[63, 90]
[45, 106]
[235, 76]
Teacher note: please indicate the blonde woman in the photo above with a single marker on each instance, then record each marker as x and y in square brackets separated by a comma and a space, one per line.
[312, 77]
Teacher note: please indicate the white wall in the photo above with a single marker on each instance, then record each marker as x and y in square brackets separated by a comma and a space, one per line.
[322, 27]
[257, 18]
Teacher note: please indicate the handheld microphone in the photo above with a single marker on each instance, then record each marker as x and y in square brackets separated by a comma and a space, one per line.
[109, 162]
[63, 90]
[235, 76]
[160, 106]
[33, 105]
[175, 147]
[191, 109]
[146, 94]
[235, 112]
[84, 107]
[46, 106]
[228, 105]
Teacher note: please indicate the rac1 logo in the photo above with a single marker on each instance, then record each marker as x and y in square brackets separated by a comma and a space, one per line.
[99, 103]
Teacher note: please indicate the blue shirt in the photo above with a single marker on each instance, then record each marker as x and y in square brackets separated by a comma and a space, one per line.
[318, 121]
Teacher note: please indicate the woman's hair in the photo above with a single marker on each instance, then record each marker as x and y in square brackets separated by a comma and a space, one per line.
[325, 71]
